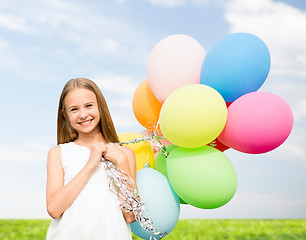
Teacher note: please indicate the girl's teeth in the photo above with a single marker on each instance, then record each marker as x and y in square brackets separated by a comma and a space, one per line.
[85, 122]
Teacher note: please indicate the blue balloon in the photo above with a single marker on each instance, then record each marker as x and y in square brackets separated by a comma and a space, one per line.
[237, 64]
[162, 204]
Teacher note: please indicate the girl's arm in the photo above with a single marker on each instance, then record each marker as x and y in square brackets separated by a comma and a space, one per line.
[130, 217]
[127, 163]
[60, 197]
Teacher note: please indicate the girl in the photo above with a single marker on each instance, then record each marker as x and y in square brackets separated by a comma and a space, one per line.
[79, 198]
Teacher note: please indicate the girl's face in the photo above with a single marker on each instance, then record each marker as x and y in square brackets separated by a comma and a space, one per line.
[82, 110]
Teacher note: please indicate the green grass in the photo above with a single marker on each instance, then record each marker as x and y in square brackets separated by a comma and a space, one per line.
[23, 229]
[184, 230]
[239, 230]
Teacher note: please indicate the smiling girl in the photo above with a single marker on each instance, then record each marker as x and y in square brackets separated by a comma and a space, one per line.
[79, 198]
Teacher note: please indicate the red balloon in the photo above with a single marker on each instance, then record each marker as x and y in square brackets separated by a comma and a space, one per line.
[218, 145]
[228, 104]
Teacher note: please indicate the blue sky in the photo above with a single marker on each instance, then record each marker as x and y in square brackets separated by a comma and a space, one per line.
[45, 43]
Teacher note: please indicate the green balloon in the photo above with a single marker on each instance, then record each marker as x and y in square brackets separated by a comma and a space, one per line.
[203, 177]
[160, 162]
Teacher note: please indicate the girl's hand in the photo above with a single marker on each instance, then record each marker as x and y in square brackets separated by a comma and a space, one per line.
[97, 151]
[114, 154]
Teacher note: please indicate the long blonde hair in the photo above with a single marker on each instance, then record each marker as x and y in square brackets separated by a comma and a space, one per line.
[65, 132]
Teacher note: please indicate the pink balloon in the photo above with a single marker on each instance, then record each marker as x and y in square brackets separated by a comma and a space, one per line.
[257, 122]
[174, 62]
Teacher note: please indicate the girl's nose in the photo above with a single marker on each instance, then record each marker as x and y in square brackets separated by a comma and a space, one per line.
[82, 113]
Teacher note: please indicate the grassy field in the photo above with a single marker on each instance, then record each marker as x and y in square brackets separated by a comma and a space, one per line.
[184, 230]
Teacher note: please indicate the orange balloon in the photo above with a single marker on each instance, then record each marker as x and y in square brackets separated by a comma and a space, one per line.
[146, 107]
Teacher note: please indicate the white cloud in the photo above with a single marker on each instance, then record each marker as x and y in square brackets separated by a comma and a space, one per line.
[168, 3]
[26, 152]
[280, 26]
[123, 103]
[204, 2]
[121, 1]
[4, 44]
[181, 3]
[23, 201]
[293, 149]
[300, 109]
[251, 205]
[7, 60]
[122, 84]
[271, 200]
[124, 121]
[35, 146]
[14, 23]
[73, 31]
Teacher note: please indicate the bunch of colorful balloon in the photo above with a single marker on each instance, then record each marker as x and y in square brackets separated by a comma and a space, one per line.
[204, 104]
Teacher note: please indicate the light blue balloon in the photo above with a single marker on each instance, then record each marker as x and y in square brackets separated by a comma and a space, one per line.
[237, 64]
[162, 204]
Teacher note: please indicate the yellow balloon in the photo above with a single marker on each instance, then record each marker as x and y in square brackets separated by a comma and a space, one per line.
[143, 150]
[193, 116]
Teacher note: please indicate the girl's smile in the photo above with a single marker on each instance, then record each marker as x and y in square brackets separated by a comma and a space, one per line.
[85, 123]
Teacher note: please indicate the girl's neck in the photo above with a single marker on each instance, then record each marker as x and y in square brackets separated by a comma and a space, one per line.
[89, 138]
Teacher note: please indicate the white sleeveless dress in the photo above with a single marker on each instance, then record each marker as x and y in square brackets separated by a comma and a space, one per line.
[95, 214]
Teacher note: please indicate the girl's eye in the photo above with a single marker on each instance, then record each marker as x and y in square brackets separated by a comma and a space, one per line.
[73, 109]
[89, 105]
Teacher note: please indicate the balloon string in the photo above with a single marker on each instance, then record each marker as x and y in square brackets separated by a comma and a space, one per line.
[154, 139]
[128, 196]
[147, 165]
[213, 143]
[156, 126]
[137, 140]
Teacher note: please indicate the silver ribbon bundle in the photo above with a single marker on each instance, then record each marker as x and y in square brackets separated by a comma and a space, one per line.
[128, 193]
[153, 138]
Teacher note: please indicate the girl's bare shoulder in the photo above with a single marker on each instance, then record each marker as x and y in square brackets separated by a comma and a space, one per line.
[127, 150]
[54, 151]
